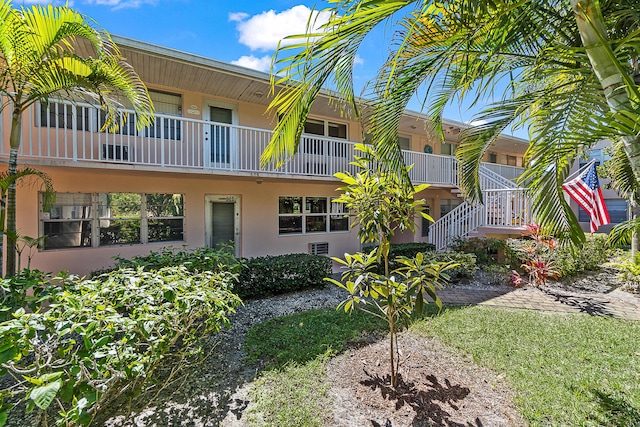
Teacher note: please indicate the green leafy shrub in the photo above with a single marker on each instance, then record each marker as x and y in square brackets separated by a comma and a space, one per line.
[466, 265]
[27, 289]
[485, 249]
[593, 254]
[194, 260]
[536, 256]
[257, 277]
[566, 260]
[101, 339]
[629, 273]
[272, 275]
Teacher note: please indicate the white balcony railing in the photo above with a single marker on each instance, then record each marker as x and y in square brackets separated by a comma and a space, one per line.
[65, 131]
[503, 208]
[508, 172]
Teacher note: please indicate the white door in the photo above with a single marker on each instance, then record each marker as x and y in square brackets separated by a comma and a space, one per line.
[222, 218]
[220, 138]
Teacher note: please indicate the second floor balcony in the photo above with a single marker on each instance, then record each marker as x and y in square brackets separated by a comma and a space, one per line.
[63, 132]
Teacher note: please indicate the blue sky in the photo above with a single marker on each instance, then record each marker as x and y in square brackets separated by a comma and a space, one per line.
[242, 32]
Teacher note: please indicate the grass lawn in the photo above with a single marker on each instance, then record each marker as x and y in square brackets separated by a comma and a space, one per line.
[565, 370]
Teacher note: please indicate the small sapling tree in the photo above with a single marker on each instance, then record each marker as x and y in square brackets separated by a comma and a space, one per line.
[381, 204]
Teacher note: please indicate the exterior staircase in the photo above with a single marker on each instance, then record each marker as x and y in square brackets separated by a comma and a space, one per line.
[506, 210]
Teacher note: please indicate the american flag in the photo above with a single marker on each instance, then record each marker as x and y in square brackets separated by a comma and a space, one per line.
[585, 190]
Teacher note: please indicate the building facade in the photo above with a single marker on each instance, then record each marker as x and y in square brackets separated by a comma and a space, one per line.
[194, 179]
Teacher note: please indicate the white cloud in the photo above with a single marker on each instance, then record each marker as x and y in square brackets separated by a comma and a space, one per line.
[238, 16]
[359, 60]
[121, 4]
[265, 30]
[250, 61]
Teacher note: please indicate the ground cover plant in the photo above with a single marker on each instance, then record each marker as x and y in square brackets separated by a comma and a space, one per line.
[565, 370]
[102, 339]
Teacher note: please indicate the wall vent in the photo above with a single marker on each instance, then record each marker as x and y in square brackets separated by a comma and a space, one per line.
[319, 248]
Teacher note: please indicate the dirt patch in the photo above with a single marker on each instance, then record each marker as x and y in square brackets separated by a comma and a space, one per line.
[437, 388]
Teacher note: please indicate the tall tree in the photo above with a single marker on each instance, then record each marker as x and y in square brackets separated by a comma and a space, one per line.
[54, 51]
[561, 68]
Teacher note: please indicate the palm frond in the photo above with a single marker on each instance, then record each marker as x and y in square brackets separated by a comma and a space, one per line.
[313, 62]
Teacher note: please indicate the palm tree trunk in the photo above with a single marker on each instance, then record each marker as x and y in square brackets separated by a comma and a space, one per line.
[10, 205]
[593, 32]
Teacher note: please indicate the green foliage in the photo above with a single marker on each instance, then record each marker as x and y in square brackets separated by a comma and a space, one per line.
[257, 277]
[565, 370]
[103, 338]
[590, 257]
[465, 267]
[272, 275]
[629, 273]
[194, 260]
[382, 203]
[485, 249]
[566, 260]
[27, 289]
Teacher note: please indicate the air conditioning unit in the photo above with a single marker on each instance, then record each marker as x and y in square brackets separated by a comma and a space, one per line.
[115, 152]
[319, 248]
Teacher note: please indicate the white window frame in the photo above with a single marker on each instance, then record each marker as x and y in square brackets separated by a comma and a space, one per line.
[95, 220]
[304, 214]
[326, 124]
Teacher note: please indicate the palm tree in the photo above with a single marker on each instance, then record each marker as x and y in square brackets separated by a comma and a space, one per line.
[50, 51]
[562, 69]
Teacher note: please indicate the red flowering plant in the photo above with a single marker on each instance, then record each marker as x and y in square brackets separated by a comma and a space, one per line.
[535, 257]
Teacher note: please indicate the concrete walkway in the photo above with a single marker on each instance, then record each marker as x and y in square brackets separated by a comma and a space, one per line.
[615, 304]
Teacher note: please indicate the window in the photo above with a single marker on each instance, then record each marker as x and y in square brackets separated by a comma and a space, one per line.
[165, 217]
[64, 115]
[512, 160]
[325, 128]
[120, 216]
[322, 147]
[302, 215]
[167, 104]
[447, 205]
[426, 224]
[103, 219]
[493, 158]
[618, 211]
[447, 149]
[404, 142]
[68, 224]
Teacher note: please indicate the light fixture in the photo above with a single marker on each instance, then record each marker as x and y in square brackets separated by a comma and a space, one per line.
[258, 94]
[258, 181]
